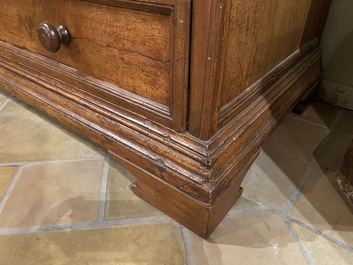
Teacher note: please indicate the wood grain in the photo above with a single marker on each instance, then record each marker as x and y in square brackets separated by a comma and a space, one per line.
[124, 84]
[258, 40]
[203, 170]
[253, 39]
[126, 47]
[138, 49]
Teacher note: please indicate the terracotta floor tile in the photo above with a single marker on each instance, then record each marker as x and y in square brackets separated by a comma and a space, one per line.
[321, 206]
[54, 193]
[158, 243]
[320, 114]
[6, 175]
[27, 136]
[251, 238]
[297, 138]
[273, 178]
[121, 202]
[321, 250]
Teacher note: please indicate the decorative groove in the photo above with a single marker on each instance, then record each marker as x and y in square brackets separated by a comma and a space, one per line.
[140, 5]
[77, 80]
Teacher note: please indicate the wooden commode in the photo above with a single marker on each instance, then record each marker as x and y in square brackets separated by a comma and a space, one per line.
[181, 92]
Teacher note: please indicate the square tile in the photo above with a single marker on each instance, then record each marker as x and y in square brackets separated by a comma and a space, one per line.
[249, 238]
[121, 202]
[158, 243]
[273, 178]
[28, 136]
[54, 193]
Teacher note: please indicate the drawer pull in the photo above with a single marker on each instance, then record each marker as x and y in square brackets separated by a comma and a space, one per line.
[52, 37]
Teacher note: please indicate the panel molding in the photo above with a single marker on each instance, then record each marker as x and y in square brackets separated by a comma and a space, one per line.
[200, 168]
[162, 94]
[264, 85]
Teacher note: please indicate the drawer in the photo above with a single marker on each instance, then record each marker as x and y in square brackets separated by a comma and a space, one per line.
[139, 49]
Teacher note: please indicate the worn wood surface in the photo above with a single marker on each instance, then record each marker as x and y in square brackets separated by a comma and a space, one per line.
[189, 144]
[273, 31]
[139, 49]
[255, 38]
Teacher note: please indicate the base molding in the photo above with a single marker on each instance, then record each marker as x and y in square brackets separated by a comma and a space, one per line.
[194, 181]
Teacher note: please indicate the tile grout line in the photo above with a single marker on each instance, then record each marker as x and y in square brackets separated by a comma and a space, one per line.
[103, 191]
[285, 213]
[311, 122]
[257, 208]
[298, 190]
[319, 233]
[10, 188]
[253, 209]
[258, 203]
[45, 162]
[304, 251]
[84, 225]
[187, 246]
[3, 105]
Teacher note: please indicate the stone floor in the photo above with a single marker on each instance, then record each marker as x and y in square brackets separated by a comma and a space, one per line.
[63, 201]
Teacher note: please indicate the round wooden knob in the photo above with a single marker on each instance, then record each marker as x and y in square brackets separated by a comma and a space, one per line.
[52, 37]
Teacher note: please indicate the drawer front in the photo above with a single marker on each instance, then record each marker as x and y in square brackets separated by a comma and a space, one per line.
[138, 48]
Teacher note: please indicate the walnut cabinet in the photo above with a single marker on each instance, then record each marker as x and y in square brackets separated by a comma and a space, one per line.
[181, 92]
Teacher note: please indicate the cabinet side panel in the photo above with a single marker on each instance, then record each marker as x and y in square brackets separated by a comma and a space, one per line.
[261, 34]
